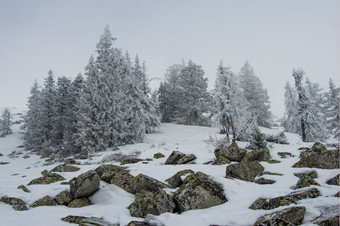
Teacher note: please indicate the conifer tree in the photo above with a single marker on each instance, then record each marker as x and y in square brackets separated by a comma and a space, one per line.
[291, 122]
[6, 123]
[332, 110]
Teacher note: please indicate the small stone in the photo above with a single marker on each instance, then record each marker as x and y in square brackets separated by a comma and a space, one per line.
[271, 173]
[131, 161]
[26, 156]
[264, 181]
[273, 161]
[45, 201]
[4, 163]
[138, 223]
[77, 203]
[158, 155]
[64, 198]
[285, 154]
[22, 187]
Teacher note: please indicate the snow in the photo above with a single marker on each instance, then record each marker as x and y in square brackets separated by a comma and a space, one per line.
[111, 202]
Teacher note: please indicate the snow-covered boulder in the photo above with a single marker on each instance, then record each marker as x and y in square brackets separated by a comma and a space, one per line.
[198, 191]
[247, 171]
[85, 184]
[288, 216]
[155, 203]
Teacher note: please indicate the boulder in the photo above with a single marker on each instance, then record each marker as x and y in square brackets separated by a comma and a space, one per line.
[143, 182]
[70, 161]
[319, 157]
[176, 180]
[87, 221]
[77, 203]
[158, 155]
[85, 184]
[221, 161]
[45, 201]
[65, 168]
[337, 194]
[311, 174]
[131, 161]
[45, 154]
[107, 172]
[138, 223]
[155, 203]
[261, 154]
[16, 203]
[47, 178]
[198, 191]
[306, 179]
[247, 171]
[334, 181]
[329, 216]
[264, 181]
[64, 198]
[23, 187]
[288, 216]
[285, 154]
[272, 203]
[1, 154]
[123, 180]
[177, 157]
[233, 152]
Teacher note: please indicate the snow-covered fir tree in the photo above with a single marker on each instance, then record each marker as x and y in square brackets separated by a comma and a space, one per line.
[332, 98]
[5, 123]
[256, 95]
[291, 122]
[33, 136]
[230, 109]
[312, 126]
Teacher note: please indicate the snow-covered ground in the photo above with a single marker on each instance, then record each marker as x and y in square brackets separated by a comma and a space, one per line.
[111, 202]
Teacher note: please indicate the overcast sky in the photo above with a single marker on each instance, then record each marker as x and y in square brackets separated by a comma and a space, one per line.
[274, 36]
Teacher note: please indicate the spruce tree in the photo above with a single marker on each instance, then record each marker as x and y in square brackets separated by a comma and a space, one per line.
[6, 123]
[291, 122]
[256, 95]
[332, 110]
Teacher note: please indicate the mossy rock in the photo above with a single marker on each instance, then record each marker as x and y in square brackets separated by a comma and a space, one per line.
[158, 155]
[261, 154]
[273, 161]
[232, 153]
[108, 171]
[47, 178]
[23, 187]
[155, 203]
[64, 198]
[143, 182]
[288, 216]
[16, 203]
[264, 181]
[77, 203]
[310, 174]
[221, 161]
[176, 179]
[247, 171]
[272, 203]
[86, 221]
[45, 154]
[65, 168]
[177, 158]
[45, 201]
[306, 180]
[334, 181]
[285, 154]
[131, 161]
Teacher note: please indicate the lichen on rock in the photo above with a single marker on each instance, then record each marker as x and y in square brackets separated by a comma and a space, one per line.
[47, 178]
[45, 201]
[288, 216]
[16, 203]
[247, 171]
[77, 203]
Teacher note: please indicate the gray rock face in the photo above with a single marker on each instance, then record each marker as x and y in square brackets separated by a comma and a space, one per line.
[177, 157]
[261, 154]
[247, 171]
[334, 181]
[289, 216]
[198, 192]
[65, 168]
[45, 201]
[155, 203]
[268, 204]
[64, 198]
[85, 184]
[176, 180]
[16, 203]
[319, 157]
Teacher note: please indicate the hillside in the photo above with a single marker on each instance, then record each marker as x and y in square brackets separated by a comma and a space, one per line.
[110, 202]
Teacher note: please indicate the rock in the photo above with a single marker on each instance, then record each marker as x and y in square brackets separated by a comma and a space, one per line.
[107, 172]
[16, 203]
[176, 180]
[221, 161]
[285, 154]
[77, 203]
[70, 161]
[123, 180]
[85, 184]
[306, 179]
[334, 181]
[142, 182]
[87, 221]
[208, 163]
[65, 183]
[4, 163]
[65, 168]
[198, 192]
[247, 171]
[64, 198]
[22, 187]
[138, 223]
[272, 203]
[273, 161]
[177, 157]
[47, 178]
[26, 156]
[337, 194]
[329, 216]
[130, 161]
[158, 155]
[261, 154]
[319, 157]
[45, 201]
[271, 173]
[45, 154]
[155, 203]
[233, 152]
[1, 154]
[288, 216]
[264, 181]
